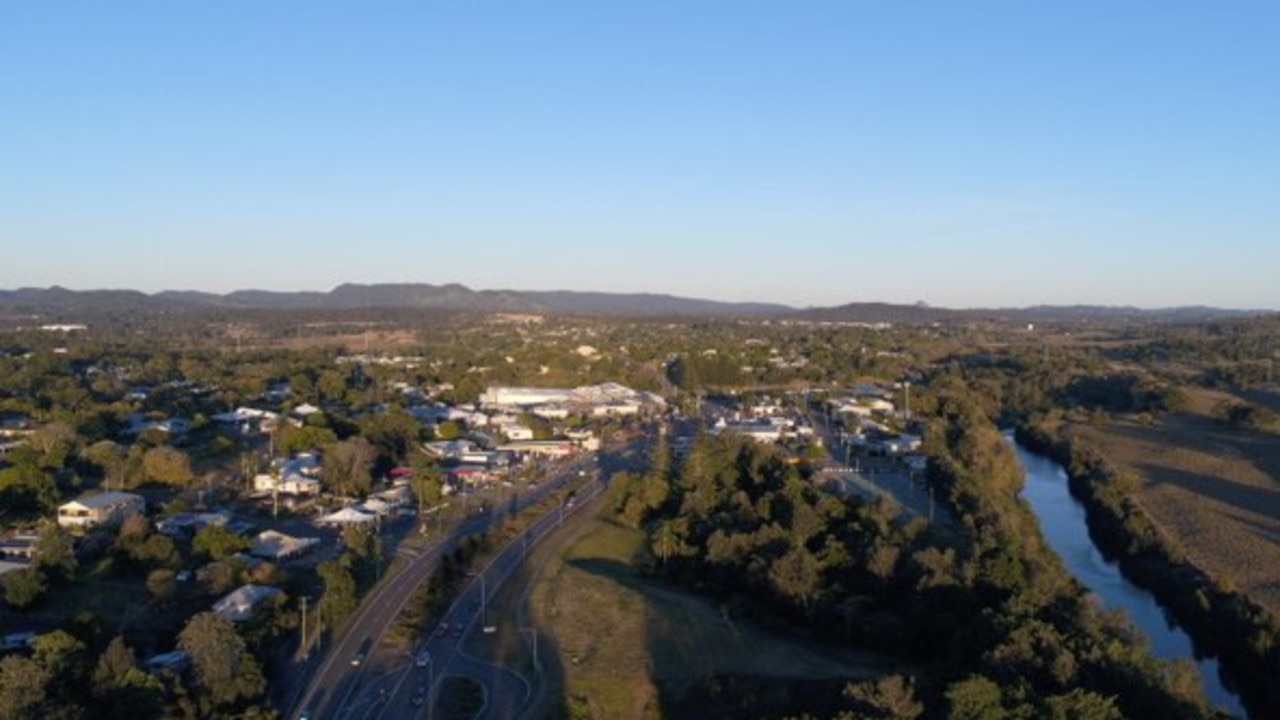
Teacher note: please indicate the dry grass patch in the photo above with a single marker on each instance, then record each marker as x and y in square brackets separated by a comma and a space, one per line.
[1212, 488]
[609, 639]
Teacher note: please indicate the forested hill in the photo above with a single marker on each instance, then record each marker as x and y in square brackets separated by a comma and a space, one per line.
[920, 314]
[404, 295]
[453, 296]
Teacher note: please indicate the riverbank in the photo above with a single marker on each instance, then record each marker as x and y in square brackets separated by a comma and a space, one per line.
[1222, 622]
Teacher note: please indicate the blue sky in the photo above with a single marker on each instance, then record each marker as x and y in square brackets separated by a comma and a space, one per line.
[813, 153]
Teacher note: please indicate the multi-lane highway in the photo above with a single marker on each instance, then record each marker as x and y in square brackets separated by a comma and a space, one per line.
[344, 684]
[409, 692]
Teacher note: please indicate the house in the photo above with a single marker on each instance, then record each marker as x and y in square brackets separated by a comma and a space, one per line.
[139, 424]
[348, 516]
[448, 449]
[8, 566]
[517, 433]
[467, 475]
[108, 507]
[18, 640]
[21, 546]
[9, 446]
[276, 546]
[305, 409]
[187, 524]
[765, 432]
[239, 604]
[542, 448]
[298, 475]
[248, 421]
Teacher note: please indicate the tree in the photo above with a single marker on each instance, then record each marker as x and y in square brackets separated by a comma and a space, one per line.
[426, 485]
[1082, 705]
[167, 465]
[347, 467]
[162, 583]
[53, 442]
[394, 433]
[339, 599]
[108, 456]
[290, 439]
[123, 691]
[669, 539]
[222, 665]
[22, 687]
[796, 575]
[62, 656]
[55, 551]
[22, 588]
[891, 696]
[975, 698]
[25, 487]
[448, 430]
[113, 666]
[218, 542]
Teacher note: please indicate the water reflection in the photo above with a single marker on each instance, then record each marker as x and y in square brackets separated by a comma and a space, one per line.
[1062, 520]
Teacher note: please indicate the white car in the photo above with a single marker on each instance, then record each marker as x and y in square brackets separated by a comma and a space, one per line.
[423, 659]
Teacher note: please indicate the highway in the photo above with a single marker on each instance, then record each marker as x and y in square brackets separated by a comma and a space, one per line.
[505, 691]
[340, 689]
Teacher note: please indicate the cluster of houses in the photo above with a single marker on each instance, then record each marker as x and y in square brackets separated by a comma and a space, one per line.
[865, 414]
[765, 421]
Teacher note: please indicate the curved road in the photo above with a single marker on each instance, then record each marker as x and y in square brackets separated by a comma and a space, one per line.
[506, 691]
[338, 687]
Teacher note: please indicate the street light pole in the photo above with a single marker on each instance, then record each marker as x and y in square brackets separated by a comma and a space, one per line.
[431, 686]
[533, 633]
[305, 653]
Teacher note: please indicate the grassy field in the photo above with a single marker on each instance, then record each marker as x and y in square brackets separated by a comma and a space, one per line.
[614, 645]
[1212, 488]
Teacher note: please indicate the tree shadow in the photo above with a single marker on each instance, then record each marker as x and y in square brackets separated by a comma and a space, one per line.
[684, 667]
[1242, 497]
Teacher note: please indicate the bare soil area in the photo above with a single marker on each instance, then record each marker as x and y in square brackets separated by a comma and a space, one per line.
[1213, 488]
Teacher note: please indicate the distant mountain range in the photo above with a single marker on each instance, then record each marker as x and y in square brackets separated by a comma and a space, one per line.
[455, 297]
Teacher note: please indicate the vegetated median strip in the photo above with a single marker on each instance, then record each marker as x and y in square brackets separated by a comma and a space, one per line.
[374, 597]
[517, 537]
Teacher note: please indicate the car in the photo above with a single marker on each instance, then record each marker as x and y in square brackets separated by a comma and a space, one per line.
[357, 660]
[419, 696]
[423, 659]
[306, 715]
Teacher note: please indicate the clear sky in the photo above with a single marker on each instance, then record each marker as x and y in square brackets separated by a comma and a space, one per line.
[807, 152]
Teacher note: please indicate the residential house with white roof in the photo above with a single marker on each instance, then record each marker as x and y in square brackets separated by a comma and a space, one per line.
[109, 507]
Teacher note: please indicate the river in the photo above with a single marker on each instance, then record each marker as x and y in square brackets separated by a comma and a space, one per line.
[1062, 520]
